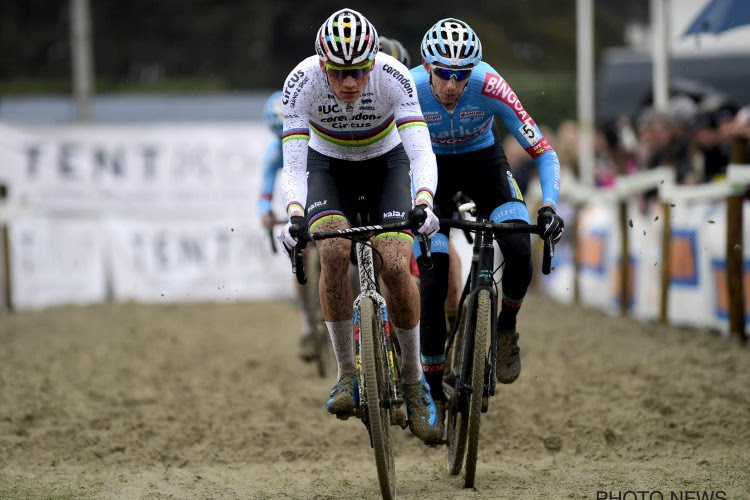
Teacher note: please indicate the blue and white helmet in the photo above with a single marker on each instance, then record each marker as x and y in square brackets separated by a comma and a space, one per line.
[452, 43]
[273, 113]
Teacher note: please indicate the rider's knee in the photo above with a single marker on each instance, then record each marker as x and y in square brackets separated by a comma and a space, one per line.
[395, 262]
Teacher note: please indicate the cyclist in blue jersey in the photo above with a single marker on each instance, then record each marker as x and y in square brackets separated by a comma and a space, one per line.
[273, 116]
[460, 96]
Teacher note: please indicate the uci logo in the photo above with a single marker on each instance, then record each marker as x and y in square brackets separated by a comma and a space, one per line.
[326, 109]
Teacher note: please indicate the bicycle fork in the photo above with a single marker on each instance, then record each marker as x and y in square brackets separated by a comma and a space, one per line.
[392, 399]
[483, 262]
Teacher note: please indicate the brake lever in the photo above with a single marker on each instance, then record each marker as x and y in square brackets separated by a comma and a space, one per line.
[549, 252]
[297, 253]
[417, 218]
[424, 247]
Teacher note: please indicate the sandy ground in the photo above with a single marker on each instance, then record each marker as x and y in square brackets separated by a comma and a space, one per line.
[209, 401]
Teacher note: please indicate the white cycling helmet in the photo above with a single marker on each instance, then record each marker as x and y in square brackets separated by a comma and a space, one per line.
[452, 43]
[347, 37]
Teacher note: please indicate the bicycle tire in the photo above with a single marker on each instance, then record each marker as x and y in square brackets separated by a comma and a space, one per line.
[376, 386]
[456, 421]
[479, 364]
[323, 351]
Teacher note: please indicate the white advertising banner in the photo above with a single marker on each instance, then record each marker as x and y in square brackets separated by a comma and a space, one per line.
[644, 241]
[169, 210]
[691, 290]
[134, 168]
[199, 259]
[56, 261]
[716, 241]
[598, 240]
[560, 283]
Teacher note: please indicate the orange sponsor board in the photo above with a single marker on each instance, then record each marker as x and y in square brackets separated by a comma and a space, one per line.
[683, 258]
[591, 251]
[719, 268]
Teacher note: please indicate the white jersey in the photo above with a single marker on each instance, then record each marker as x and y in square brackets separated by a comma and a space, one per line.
[385, 115]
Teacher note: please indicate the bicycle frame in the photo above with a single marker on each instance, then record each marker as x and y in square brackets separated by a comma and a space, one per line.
[474, 377]
[481, 277]
[379, 395]
[369, 289]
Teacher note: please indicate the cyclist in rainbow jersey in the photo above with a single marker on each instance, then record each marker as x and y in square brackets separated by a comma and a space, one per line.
[353, 127]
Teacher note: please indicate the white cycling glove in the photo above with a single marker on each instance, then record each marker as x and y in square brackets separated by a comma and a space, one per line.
[431, 223]
[285, 236]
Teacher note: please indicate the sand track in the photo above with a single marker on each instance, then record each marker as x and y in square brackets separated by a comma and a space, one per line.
[208, 401]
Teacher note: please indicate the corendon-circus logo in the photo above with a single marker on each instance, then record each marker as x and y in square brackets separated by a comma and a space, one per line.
[290, 84]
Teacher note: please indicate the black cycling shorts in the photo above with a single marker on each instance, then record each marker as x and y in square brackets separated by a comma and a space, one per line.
[380, 187]
[483, 175]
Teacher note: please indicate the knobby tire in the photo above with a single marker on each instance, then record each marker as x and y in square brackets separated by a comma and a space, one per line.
[376, 386]
[457, 420]
[482, 332]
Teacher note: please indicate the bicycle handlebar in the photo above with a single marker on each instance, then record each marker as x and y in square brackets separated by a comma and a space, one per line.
[506, 227]
[415, 218]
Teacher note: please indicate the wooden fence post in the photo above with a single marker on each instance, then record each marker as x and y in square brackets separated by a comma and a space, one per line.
[625, 259]
[666, 262]
[5, 288]
[734, 252]
[576, 256]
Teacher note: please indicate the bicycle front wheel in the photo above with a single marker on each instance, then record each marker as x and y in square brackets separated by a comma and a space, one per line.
[456, 411]
[482, 331]
[376, 389]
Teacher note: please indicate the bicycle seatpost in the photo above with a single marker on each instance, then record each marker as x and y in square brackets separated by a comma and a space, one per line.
[464, 204]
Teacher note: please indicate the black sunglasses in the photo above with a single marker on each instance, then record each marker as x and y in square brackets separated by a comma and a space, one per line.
[447, 73]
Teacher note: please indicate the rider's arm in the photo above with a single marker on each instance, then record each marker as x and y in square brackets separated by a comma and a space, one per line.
[271, 165]
[294, 139]
[416, 140]
[506, 105]
[418, 148]
[294, 174]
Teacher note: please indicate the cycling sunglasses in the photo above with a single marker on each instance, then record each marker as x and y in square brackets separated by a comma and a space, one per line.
[342, 72]
[447, 73]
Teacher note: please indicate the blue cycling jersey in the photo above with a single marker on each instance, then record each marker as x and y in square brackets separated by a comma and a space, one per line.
[468, 126]
[272, 163]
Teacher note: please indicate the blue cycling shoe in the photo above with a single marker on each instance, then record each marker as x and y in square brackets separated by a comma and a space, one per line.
[424, 420]
[344, 396]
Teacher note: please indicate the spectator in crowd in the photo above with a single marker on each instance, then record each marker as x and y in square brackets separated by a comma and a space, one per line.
[567, 147]
[741, 126]
[712, 154]
[661, 143]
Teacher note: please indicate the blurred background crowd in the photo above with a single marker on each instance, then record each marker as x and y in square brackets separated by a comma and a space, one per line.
[243, 50]
[694, 136]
